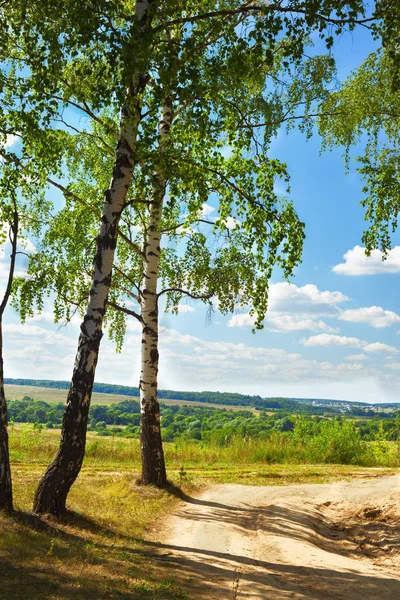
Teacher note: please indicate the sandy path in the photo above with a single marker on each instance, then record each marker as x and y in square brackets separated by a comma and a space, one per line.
[236, 542]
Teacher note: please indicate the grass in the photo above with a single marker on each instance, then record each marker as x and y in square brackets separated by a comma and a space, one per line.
[29, 445]
[104, 548]
[96, 552]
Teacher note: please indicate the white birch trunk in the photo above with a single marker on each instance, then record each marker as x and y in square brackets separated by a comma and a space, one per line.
[6, 496]
[153, 465]
[54, 486]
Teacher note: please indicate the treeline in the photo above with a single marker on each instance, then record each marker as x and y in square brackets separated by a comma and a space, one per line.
[222, 398]
[212, 425]
[28, 410]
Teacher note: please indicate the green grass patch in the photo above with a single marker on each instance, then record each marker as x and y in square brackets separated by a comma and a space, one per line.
[105, 548]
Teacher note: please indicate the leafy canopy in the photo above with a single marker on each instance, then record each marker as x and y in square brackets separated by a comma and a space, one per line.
[64, 74]
[364, 117]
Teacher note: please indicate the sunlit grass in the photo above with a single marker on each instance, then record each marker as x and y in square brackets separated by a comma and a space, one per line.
[29, 445]
[104, 549]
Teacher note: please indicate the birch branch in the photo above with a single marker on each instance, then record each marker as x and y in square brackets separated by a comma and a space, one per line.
[186, 293]
[75, 197]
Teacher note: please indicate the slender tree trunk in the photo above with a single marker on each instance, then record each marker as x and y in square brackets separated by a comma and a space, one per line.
[153, 464]
[6, 499]
[51, 494]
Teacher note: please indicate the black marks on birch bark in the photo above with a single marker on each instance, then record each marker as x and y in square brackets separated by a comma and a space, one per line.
[54, 486]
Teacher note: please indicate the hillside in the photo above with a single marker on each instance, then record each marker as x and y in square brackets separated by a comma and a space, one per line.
[120, 392]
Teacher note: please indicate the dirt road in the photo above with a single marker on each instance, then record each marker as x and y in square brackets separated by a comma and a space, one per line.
[338, 540]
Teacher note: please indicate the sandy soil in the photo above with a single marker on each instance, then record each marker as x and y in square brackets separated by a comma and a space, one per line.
[338, 540]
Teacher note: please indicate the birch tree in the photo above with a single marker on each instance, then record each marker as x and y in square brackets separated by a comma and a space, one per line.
[53, 488]
[55, 63]
[9, 219]
[86, 58]
[363, 117]
[23, 209]
[198, 152]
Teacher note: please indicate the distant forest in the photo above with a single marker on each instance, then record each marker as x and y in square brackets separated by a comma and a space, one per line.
[212, 425]
[222, 398]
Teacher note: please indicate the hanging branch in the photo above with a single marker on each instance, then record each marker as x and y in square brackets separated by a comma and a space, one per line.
[14, 240]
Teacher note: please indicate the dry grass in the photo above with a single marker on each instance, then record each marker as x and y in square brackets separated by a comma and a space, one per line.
[103, 549]
[97, 552]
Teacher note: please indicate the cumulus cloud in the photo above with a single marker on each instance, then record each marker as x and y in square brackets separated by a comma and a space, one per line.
[280, 322]
[294, 308]
[379, 347]
[325, 339]
[225, 362]
[48, 317]
[230, 223]
[206, 210]
[26, 245]
[356, 262]
[17, 332]
[357, 357]
[373, 315]
[20, 270]
[306, 300]
[185, 308]
[11, 141]
[189, 362]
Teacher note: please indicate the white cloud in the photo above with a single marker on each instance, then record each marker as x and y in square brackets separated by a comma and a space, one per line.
[16, 332]
[294, 308]
[394, 366]
[185, 308]
[357, 357]
[279, 322]
[206, 210]
[296, 323]
[306, 300]
[230, 223]
[222, 362]
[244, 320]
[325, 339]
[48, 317]
[21, 262]
[358, 263]
[20, 271]
[379, 347]
[373, 315]
[43, 317]
[11, 140]
[189, 362]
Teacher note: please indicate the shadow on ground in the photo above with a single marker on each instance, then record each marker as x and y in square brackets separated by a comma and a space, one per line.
[80, 559]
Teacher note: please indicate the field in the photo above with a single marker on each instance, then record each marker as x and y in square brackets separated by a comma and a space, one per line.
[53, 395]
[110, 545]
[106, 548]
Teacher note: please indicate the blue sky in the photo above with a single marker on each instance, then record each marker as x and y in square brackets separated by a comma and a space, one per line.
[332, 333]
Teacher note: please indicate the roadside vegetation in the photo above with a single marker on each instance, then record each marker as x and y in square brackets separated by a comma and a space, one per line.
[210, 436]
[108, 545]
